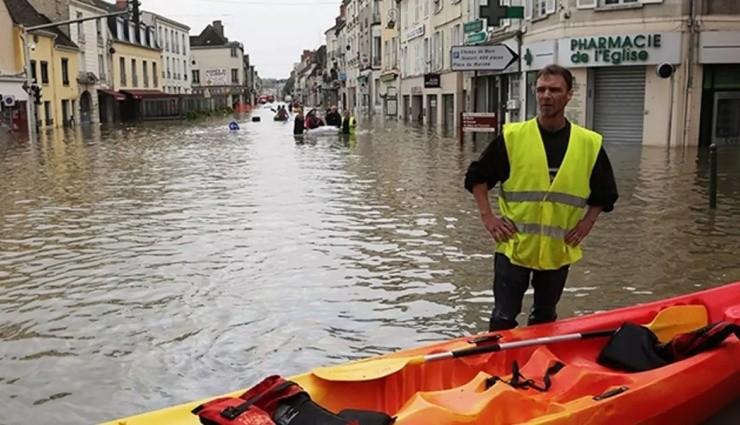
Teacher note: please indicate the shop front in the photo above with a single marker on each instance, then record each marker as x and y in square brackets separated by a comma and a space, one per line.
[617, 90]
[388, 86]
[13, 101]
[719, 55]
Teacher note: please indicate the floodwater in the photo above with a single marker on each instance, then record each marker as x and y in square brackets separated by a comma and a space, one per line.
[146, 266]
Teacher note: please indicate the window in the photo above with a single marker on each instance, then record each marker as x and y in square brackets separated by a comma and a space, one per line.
[44, 72]
[101, 67]
[234, 76]
[437, 5]
[65, 71]
[540, 8]
[122, 66]
[155, 76]
[80, 29]
[234, 52]
[185, 70]
[618, 2]
[196, 76]
[134, 76]
[145, 72]
[99, 31]
[33, 71]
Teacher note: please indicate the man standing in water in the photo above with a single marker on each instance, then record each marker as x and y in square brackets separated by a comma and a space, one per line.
[549, 169]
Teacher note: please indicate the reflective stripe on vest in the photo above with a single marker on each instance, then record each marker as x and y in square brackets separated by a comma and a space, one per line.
[542, 211]
[537, 196]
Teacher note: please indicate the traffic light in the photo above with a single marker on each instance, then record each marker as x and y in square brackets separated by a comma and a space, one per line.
[36, 94]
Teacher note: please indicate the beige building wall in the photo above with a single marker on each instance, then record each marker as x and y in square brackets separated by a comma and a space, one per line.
[127, 52]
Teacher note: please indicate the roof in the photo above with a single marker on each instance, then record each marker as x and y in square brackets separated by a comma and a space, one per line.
[22, 13]
[208, 37]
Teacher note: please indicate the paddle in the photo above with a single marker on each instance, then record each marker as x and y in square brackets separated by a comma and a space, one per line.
[667, 323]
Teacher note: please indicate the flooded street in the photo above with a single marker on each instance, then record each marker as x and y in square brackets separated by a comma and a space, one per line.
[142, 267]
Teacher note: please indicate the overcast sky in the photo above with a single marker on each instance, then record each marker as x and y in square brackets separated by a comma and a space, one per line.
[274, 32]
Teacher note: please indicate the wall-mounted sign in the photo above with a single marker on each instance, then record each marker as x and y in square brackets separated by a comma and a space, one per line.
[431, 81]
[415, 32]
[477, 37]
[473, 26]
[216, 77]
[620, 49]
[473, 58]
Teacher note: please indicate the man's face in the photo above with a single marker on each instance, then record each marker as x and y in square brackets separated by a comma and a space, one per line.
[552, 95]
[334, 109]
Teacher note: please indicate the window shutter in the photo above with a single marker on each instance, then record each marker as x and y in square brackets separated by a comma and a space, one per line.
[586, 4]
[528, 9]
[550, 7]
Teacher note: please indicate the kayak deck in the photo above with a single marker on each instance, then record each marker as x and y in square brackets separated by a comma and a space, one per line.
[456, 391]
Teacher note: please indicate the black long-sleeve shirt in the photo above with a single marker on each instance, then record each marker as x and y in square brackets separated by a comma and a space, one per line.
[492, 167]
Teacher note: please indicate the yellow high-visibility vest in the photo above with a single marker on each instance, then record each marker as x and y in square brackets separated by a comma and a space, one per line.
[545, 212]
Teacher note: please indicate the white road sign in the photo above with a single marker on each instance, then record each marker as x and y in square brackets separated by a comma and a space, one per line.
[481, 58]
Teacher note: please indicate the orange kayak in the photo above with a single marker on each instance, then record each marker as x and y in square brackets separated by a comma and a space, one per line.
[457, 391]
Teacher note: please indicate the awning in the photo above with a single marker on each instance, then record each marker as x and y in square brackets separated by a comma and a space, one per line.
[147, 94]
[116, 95]
[13, 87]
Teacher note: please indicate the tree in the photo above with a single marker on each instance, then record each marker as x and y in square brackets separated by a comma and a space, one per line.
[289, 86]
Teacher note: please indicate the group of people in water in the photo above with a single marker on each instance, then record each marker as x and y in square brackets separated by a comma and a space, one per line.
[313, 120]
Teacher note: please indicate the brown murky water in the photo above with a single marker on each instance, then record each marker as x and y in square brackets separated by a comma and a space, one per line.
[146, 266]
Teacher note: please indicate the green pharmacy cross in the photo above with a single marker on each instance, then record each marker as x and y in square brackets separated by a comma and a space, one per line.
[494, 12]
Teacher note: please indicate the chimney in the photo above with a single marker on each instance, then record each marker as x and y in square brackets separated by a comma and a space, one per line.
[219, 27]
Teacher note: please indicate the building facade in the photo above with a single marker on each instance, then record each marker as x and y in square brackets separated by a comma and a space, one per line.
[174, 40]
[54, 65]
[653, 72]
[13, 98]
[218, 69]
[388, 78]
[92, 37]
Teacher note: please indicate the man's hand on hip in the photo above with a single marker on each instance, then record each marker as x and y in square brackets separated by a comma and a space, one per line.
[500, 229]
[577, 235]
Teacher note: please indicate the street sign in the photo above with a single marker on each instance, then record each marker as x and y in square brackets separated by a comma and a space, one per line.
[479, 122]
[478, 37]
[480, 58]
[473, 26]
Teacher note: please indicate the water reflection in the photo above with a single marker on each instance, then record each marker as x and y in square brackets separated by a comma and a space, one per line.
[145, 266]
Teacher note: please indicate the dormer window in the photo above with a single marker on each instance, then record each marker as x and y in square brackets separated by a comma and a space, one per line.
[119, 29]
[131, 32]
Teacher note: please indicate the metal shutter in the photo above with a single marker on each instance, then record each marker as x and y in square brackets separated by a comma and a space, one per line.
[619, 103]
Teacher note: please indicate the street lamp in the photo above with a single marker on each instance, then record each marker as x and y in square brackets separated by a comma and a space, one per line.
[34, 92]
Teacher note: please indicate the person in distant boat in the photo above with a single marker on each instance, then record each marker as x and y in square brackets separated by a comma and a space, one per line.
[542, 198]
[333, 118]
[282, 112]
[348, 123]
[298, 122]
[313, 120]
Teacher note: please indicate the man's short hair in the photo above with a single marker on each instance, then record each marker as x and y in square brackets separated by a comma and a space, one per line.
[553, 69]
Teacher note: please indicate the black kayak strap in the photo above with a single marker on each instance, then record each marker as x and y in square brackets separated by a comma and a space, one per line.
[521, 382]
[232, 413]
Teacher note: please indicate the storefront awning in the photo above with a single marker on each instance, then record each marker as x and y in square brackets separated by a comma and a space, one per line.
[147, 94]
[13, 87]
[116, 95]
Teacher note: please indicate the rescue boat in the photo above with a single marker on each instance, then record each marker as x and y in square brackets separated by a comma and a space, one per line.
[436, 384]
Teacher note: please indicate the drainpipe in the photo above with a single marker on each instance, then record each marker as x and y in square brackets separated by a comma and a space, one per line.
[691, 22]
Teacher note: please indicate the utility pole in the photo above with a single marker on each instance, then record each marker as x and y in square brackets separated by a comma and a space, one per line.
[29, 84]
